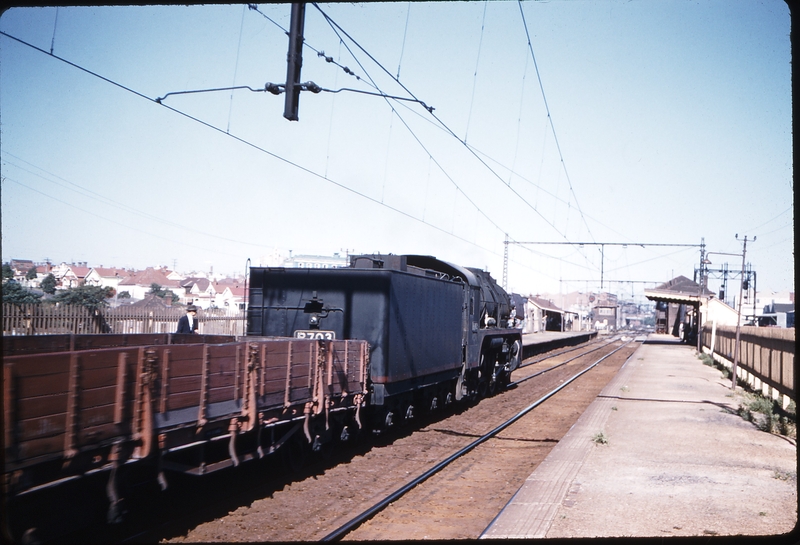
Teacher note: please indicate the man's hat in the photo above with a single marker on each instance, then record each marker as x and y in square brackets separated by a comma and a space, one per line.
[191, 308]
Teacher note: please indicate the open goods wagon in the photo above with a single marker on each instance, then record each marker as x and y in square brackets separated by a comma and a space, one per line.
[188, 403]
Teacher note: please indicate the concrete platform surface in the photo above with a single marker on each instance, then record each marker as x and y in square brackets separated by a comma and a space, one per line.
[661, 452]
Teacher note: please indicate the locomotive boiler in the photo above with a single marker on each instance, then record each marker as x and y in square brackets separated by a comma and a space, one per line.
[437, 332]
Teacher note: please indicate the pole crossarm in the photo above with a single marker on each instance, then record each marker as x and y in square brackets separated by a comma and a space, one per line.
[642, 244]
[602, 249]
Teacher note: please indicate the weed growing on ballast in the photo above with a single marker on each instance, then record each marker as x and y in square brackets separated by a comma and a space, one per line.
[600, 438]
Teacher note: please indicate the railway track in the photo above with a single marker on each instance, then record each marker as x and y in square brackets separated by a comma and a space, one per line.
[366, 515]
[261, 503]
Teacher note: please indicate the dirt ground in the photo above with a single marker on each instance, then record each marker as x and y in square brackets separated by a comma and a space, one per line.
[458, 503]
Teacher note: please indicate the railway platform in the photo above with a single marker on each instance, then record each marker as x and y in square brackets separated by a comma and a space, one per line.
[544, 341]
[660, 452]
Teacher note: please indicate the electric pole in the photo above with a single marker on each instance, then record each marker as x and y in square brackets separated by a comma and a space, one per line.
[294, 61]
[739, 319]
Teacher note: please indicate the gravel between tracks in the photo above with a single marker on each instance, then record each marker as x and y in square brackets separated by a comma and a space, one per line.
[457, 504]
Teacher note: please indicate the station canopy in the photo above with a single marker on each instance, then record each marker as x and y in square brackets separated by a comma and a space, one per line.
[678, 290]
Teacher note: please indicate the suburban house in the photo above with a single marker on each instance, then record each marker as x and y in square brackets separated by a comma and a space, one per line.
[232, 297]
[73, 276]
[198, 291]
[139, 283]
[107, 277]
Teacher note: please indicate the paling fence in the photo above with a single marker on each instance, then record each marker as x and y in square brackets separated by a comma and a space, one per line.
[48, 319]
[766, 356]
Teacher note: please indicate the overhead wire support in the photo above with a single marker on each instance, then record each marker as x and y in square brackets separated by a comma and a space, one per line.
[274, 88]
[602, 248]
[319, 53]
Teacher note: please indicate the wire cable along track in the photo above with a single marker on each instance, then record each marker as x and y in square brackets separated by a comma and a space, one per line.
[369, 513]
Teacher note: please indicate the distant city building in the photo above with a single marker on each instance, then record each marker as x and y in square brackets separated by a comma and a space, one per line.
[317, 261]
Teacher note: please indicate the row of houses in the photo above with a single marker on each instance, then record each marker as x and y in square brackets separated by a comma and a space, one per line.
[133, 287]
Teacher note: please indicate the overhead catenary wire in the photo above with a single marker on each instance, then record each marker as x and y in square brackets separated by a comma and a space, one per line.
[236, 67]
[333, 24]
[475, 74]
[271, 88]
[405, 33]
[252, 145]
[550, 117]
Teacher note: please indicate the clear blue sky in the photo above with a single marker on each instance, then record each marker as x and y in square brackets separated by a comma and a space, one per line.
[669, 121]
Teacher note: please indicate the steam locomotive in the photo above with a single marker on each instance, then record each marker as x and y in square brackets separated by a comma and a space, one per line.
[437, 332]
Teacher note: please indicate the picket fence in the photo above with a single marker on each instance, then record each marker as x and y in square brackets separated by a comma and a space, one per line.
[49, 319]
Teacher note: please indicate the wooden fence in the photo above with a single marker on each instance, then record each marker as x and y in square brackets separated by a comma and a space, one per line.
[48, 319]
[766, 356]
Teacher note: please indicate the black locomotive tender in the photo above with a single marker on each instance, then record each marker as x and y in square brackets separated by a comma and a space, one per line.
[437, 332]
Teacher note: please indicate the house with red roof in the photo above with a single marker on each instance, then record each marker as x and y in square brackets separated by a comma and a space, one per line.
[232, 297]
[107, 277]
[139, 283]
[73, 276]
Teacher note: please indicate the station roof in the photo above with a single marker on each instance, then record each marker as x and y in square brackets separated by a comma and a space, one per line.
[678, 290]
[544, 304]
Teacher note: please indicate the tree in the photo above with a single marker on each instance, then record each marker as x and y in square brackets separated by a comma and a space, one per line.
[31, 274]
[18, 295]
[156, 290]
[124, 295]
[8, 272]
[91, 297]
[48, 284]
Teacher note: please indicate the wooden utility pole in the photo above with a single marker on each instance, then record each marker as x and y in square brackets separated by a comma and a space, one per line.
[739, 318]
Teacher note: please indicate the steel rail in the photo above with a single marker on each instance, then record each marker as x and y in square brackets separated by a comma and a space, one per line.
[372, 511]
[553, 355]
[543, 371]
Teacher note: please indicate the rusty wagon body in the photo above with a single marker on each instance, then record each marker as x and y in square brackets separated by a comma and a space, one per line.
[76, 405]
